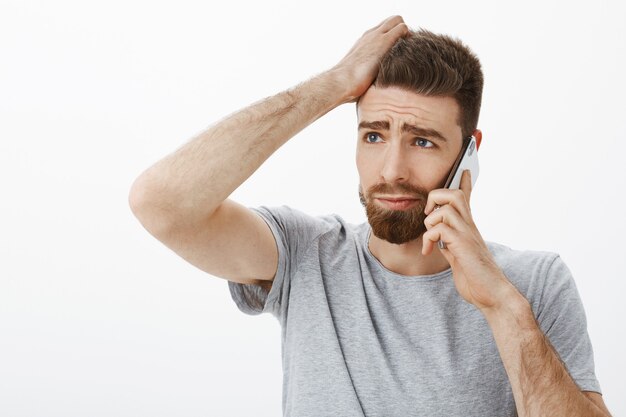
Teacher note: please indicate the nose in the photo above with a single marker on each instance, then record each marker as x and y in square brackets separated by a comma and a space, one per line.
[395, 167]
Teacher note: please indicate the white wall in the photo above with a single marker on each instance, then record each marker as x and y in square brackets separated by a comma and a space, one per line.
[98, 318]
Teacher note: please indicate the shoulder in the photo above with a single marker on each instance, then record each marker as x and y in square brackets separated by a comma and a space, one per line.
[541, 276]
[517, 259]
[529, 270]
[293, 222]
[290, 215]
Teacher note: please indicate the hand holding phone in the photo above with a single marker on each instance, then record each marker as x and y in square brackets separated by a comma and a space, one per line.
[467, 160]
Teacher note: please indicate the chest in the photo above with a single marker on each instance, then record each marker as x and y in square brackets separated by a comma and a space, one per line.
[402, 345]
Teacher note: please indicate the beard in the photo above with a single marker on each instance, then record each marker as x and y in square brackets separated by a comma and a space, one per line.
[396, 226]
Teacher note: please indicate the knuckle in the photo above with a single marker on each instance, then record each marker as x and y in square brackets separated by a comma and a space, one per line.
[459, 195]
[443, 210]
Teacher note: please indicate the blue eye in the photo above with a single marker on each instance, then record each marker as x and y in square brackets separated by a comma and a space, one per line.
[418, 140]
[371, 135]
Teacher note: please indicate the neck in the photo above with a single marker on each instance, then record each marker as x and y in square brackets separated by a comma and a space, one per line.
[407, 258]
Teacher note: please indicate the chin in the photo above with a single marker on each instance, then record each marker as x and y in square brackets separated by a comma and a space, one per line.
[396, 226]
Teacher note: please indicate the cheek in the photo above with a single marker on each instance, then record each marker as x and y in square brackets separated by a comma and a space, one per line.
[436, 175]
[428, 171]
[363, 164]
[368, 170]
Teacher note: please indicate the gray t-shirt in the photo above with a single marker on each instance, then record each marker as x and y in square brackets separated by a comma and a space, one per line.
[360, 340]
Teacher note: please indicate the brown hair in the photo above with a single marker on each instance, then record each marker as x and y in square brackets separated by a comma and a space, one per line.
[435, 65]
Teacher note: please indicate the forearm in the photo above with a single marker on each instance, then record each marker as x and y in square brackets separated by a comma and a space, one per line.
[189, 184]
[539, 380]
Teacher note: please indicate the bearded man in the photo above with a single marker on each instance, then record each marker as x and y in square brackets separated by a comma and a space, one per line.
[378, 319]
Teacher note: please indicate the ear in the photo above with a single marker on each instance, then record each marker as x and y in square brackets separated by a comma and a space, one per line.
[479, 137]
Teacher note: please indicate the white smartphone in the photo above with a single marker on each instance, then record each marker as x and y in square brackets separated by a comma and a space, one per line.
[467, 159]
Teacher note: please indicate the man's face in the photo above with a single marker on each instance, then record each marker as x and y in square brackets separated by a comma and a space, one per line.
[407, 144]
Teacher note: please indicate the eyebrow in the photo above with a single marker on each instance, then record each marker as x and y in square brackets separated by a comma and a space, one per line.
[416, 130]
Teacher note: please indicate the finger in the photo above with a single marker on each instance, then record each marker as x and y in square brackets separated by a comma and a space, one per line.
[379, 25]
[456, 198]
[390, 23]
[434, 235]
[448, 215]
[401, 29]
[466, 183]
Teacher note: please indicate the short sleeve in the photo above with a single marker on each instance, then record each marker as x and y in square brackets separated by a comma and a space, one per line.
[562, 318]
[293, 232]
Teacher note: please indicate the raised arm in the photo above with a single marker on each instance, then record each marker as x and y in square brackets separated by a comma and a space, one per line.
[182, 199]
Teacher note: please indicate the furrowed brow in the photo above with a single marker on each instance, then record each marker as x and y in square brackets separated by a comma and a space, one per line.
[422, 131]
[415, 130]
[377, 125]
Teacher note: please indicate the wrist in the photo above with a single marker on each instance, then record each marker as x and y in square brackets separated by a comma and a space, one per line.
[340, 82]
[317, 95]
[326, 87]
[511, 303]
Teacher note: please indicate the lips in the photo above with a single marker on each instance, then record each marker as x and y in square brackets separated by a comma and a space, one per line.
[398, 199]
[398, 204]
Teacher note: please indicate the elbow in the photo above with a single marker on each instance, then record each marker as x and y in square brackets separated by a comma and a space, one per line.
[146, 208]
[136, 197]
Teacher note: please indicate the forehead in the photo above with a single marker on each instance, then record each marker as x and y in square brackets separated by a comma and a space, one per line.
[395, 104]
